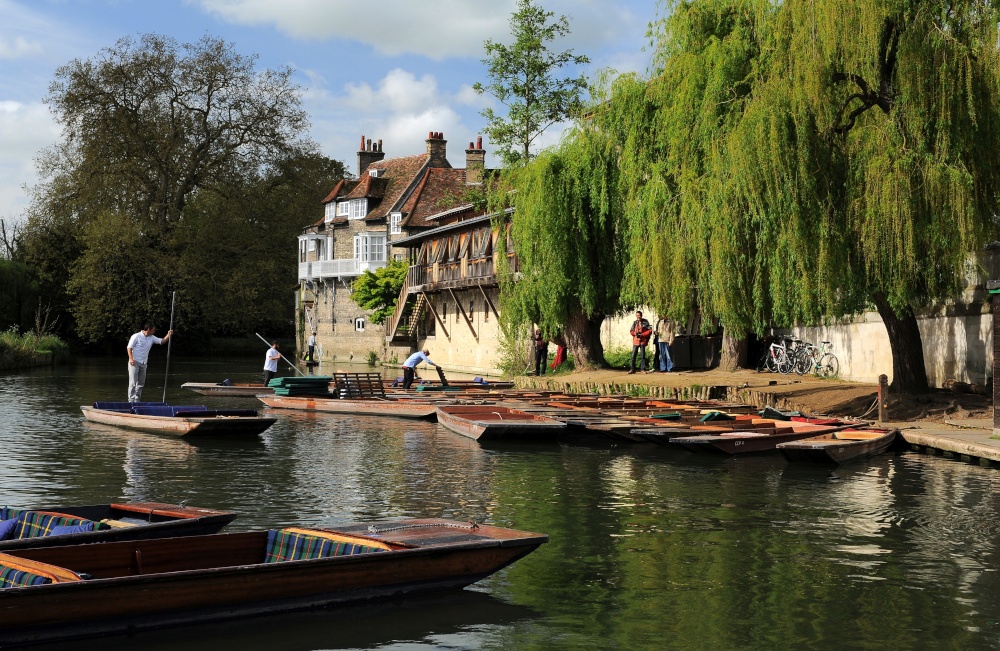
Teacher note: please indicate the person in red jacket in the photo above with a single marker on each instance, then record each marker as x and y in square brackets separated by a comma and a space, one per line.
[641, 332]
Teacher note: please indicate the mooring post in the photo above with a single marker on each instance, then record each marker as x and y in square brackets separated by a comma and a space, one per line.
[994, 289]
[883, 398]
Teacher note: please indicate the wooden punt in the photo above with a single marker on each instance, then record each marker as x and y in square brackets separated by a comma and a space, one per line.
[399, 407]
[145, 584]
[839, 447]
[125, 521]
[186, 420]
[243, 390]
[762, 438]
[489, 422]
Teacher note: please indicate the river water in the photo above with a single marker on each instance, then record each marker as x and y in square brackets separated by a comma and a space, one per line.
[650, 547]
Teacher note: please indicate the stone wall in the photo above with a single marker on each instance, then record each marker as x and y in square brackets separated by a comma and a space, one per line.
[461, 350]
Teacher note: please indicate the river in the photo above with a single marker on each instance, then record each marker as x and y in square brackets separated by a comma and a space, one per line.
[650, 547]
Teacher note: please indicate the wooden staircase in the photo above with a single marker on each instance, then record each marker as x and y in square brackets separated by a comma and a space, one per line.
[409, 310]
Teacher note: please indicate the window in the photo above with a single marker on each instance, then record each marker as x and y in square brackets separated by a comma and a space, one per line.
[376, 248]
[359, 324]
[359, 208]
[342, 207]
[395, 219]
[330, 211]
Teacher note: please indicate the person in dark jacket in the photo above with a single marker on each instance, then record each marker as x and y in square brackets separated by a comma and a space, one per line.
[641, 332]
[541, 352]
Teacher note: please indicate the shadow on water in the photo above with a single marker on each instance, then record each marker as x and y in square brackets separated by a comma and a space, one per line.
[457, 619]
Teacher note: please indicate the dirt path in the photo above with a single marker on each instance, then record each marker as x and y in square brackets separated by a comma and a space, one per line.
[807, 394]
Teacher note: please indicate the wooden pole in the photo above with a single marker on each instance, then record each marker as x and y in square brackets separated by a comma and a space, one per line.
[173, 302]
[883, 398]
[282, 356]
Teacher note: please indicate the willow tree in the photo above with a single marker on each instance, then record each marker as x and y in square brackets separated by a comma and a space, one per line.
[567, 237]
[798, 160]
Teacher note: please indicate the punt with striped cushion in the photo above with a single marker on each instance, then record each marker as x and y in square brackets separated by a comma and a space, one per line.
[125, 406]
[34, 524]
[301, 544]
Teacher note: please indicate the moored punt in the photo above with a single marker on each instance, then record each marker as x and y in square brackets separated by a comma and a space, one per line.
[489, 422]
[762, 438]
[72, 525]
[401, 407]
[247, 390]
[186, 420]
[82, 590]
[841, 446]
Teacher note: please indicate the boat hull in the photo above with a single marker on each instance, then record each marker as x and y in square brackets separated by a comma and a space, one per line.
[234, 390]
[839, 447]
[228, 426]
[402, 408]
[486, 423]
[163, 521]
[739, 443]
[220, 577]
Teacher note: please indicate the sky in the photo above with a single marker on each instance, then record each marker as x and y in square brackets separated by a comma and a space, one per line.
[391, 70]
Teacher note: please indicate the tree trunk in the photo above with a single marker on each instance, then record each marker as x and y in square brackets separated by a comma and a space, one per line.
[909, 375]
[582, 339]
[734, 352]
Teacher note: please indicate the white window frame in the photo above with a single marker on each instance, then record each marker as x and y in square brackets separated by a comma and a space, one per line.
[359, 208]
[329, 212]
[343, 208]
[395, 222]
[369, 247]
[359, 324]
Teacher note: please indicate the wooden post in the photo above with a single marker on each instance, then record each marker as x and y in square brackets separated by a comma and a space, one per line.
[883, 398]
[994, 288]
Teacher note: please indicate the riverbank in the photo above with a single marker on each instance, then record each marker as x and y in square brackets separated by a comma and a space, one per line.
[28, 350]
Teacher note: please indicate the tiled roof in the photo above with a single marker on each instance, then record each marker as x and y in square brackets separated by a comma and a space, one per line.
[397, 175]
[337, 189]
[441, 189]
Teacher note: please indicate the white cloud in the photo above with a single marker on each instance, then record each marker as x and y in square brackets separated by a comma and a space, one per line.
[441, 29]
[25, 129]
[18, 47]
[399, 92]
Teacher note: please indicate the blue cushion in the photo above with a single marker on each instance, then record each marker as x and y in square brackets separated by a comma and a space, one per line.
[76, 528]
[6, 527]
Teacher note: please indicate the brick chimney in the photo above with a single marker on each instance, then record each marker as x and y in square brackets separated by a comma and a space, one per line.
[369, 154]
[437, 150]
[475, 162]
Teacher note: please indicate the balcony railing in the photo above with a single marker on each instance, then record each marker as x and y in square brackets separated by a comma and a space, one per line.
[341, 267]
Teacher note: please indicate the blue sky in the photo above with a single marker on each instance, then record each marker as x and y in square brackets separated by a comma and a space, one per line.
[387, 69]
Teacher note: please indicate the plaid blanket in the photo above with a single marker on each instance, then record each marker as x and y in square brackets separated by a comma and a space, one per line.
[14, 578]
[285, 545]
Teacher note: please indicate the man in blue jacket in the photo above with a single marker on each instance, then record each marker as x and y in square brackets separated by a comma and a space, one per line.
[411, 363]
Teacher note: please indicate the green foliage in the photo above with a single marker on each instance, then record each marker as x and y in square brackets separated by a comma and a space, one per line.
[19, 294]
[379, 291]
[789, 161]
[181, 168]
[522, 77]
[372, 357]
[20, 350]
[618, 357]
[566, 235]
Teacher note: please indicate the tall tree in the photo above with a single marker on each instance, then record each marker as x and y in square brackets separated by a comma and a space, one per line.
[149, 127]
[566, 234]
[792, 161]
[523, 77]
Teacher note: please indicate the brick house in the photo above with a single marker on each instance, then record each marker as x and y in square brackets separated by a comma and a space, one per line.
[396, 207]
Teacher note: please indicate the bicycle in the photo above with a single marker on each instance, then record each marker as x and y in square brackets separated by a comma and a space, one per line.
[778, 359]
[828, 365]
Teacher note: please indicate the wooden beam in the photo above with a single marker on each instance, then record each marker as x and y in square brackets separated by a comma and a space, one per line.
[489, 302]
[462, 310]
[434, 312]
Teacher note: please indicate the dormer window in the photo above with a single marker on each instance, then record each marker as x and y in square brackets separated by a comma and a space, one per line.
[358, 209]
[376, 173]
[395, 219]
[342, 208]
[329, 211]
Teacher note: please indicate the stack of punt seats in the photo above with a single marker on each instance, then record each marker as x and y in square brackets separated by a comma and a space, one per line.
[318, 385]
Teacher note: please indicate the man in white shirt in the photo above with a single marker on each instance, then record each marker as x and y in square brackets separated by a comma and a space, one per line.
[312, 347]
[271, 363]
[138, 348]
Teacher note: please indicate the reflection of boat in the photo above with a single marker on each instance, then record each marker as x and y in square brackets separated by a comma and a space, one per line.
[402, 407]
[186, 420]
[87, 589]
[107, 522]
[248, 389]
[839, 447]
[764, 437]
[485, 422]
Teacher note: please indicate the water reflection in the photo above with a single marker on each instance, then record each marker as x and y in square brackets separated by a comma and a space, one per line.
[650, 547]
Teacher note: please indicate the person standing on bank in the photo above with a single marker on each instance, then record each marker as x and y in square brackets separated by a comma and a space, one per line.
[664, 339]
[138, 348]
[641, 332]
[271, 362]
[312, 346]
[411, 363]
[541, 352]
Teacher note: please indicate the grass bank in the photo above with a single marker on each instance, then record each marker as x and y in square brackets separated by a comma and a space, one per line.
[29, 349]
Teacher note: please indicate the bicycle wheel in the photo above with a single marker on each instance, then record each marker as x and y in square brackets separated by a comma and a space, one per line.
[771, 364]
[762, 362]
[803, 361]
[784, 363]
[829, 365]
